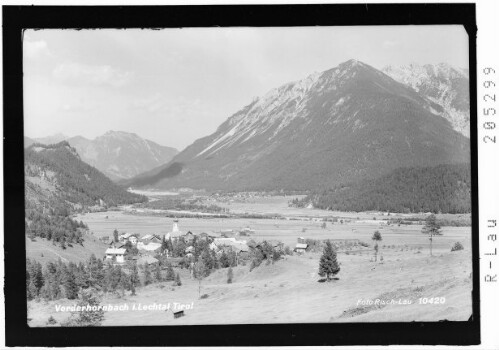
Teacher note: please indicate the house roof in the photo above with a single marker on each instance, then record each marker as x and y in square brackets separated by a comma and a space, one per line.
[147, 237]
[175, 234]
[223, 240]
[149, 247]
[116, 251]
[240, 246]
[301, 246]
[147, 260]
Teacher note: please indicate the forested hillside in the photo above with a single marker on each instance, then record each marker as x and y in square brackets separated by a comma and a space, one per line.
[76, 181]
[443, 188]
[57, 184]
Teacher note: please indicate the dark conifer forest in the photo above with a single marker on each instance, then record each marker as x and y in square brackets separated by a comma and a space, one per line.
[439, 189]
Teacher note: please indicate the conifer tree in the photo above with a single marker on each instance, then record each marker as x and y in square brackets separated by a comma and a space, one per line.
[170, 274]
[230, 275]
[88, 317]
[134, 277]
[147, 275]
[69, 283]
[224, 260]
[157, 273]
[178, 282]
[328, 265]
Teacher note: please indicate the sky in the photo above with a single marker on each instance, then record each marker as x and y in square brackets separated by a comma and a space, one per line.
[174, 86]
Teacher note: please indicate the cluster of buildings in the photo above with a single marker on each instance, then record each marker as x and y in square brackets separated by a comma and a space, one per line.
[150, 245]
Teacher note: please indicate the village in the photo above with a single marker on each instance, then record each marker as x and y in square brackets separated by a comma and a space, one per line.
[147, 249]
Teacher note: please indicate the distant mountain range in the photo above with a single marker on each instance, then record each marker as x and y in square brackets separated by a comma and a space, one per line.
[349, 123]
[118, 154]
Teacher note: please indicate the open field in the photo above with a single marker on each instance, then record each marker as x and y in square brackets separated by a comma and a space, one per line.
[44, 251]
[279, 205]
[286, 231]
[289, 290]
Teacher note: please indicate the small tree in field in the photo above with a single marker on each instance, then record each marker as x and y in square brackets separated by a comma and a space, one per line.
[328, 265]
[170, 274]
[200, 272]
[147, 274]
[230, 275]
[115, 236]
[157, 273]
[431, 228]
[376, 238]
[178, 282]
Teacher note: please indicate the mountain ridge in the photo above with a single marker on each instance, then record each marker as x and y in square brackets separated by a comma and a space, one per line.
[349, 122]
[118, 154]
[442, 84]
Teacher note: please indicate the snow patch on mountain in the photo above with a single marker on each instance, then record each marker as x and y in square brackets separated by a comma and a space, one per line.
[275, 110]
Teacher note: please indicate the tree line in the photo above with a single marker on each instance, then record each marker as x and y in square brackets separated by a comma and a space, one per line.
[440, 189]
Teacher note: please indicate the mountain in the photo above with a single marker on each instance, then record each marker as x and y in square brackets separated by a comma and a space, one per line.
[444, 188]
[57, 184]
[443, 84]
[28, 141]
[55, 173]
[118, 154]
[349, 123]
[52, 139]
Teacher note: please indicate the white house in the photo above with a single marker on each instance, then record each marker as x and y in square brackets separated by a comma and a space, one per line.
[150, 247]
[116, 254]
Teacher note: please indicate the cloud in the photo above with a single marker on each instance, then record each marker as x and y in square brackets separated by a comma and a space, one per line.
[36, 49]
[180, 107]
[82, 74]
[78, 106]
[149, 104]
[389, 44]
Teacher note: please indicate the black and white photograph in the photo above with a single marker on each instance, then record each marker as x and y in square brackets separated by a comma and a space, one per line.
[247, 175]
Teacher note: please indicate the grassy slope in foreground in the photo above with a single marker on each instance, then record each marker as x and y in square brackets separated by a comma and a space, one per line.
[288, 292]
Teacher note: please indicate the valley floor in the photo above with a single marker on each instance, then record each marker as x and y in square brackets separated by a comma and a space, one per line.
[289, 291]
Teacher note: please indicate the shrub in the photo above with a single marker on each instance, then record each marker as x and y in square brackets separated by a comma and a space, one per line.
[230, 275]
[204, 296]
[51, 321]
[457, 246]
[170, 274]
